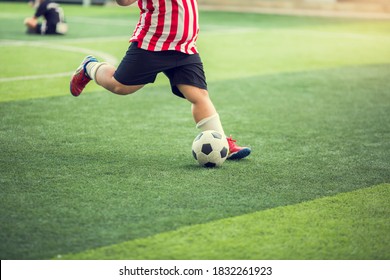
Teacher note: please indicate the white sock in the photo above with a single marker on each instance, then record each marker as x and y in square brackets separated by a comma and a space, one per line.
[211, 123]
[92, 68]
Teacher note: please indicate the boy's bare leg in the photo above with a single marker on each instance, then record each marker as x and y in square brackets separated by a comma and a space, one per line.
[102, 73]
[207, 118]
[202, 107]
[104, 76]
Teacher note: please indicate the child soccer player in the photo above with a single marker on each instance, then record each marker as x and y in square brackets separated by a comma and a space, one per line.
[164, 40]
[53, 23]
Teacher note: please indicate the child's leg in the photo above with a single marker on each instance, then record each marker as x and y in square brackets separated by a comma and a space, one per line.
[202, 107]
[203, 111]
[103, 74]
[207, 118]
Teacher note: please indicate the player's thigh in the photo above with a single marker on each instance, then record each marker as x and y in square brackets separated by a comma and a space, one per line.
[122, 89]
[188, 80]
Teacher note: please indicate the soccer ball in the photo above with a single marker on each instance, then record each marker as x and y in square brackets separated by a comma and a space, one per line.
[210, 148]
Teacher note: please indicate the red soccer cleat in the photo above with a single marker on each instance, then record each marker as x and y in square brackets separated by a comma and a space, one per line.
[80, 77]
[237, 152]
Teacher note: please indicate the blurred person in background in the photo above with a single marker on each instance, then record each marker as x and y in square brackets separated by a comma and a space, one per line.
[53, 22]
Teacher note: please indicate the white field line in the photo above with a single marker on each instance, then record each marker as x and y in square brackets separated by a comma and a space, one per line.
[105, 56]
[124, 39]
[36, 77]
[214, 29]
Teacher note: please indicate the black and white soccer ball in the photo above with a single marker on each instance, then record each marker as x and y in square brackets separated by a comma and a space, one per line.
[210, 148]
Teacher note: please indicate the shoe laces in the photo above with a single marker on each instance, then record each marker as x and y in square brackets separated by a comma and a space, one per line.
[232, 143]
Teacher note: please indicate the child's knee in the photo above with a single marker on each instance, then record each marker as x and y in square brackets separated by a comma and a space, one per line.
[193, 94]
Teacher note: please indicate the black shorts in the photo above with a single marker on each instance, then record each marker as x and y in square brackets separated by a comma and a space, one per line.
[140, 67]
[46, 29]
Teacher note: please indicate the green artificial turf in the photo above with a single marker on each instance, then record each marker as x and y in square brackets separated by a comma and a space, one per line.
[310, 96]
[341, 227]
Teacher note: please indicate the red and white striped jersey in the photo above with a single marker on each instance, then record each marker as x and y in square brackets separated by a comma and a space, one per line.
[167, 25]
